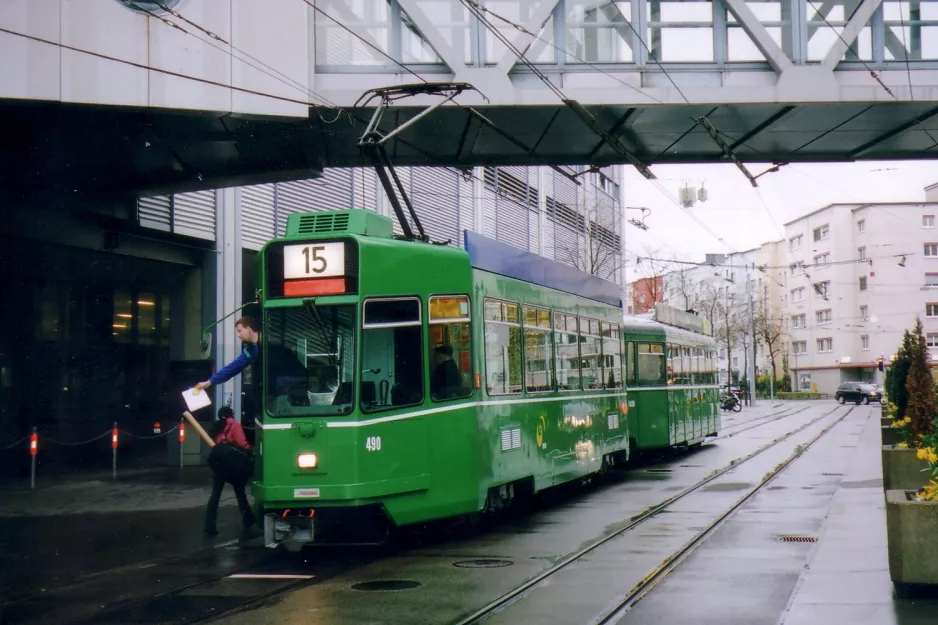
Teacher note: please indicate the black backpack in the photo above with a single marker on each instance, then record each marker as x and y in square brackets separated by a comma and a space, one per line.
[232, 464]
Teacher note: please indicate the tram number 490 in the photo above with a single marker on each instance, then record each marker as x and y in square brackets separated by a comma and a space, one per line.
[373, 443]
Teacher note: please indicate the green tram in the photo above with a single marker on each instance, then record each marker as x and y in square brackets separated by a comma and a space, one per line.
[672, 380]
[404, 382]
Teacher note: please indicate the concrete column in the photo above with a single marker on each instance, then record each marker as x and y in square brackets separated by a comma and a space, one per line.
[227, 291]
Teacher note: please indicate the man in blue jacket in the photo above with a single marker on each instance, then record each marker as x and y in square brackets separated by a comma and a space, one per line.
[286, 374]
[249, 333]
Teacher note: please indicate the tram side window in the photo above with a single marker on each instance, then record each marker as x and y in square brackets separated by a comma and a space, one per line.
[392, 354]
[651, 364]
[590, 354]
[568, 357]
[675, 372]
[612, 356]
[503, 345]
[630, 363]
[538, 351]
[450, 347]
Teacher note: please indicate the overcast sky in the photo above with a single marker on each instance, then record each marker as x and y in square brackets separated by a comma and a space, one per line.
[735, 212]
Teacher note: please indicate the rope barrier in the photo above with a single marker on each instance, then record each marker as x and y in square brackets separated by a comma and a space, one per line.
[166, 433]
[67, 444]
[12, 445]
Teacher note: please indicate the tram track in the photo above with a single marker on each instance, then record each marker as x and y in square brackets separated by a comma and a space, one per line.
[760, 421]
[137, 609]
[673, 561]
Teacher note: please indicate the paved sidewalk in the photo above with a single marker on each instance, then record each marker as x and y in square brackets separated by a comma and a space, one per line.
[846, 579]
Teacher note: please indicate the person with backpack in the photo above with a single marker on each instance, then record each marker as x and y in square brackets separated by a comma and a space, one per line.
[232, 462]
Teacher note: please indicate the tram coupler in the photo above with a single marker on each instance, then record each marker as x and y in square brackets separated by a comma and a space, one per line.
[293, 531]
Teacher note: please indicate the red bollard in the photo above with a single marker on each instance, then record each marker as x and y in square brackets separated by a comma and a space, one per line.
[114, 451]
[182, 440]
[33, 450]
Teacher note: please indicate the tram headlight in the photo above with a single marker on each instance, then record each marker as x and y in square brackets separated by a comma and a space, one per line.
[307, 461]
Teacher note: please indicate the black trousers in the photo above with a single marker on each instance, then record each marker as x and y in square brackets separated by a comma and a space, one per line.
[211, 513]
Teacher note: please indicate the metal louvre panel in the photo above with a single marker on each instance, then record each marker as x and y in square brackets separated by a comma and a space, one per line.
[194, 214]
[366, 188]
[549, 239]
[434, 192]
[512, 219]
[257, 215]
[293, 197]
[534, 231]
[566, 244]
[154, 212]
[333, 191]
[489, 220]
[466, 207]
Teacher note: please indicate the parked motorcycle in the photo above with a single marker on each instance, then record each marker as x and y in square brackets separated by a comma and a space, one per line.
[731, 401]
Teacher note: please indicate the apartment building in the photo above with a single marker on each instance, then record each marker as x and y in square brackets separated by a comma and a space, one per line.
[740, 294]
[858, 276]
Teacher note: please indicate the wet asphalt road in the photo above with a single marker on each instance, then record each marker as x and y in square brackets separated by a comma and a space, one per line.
[152, 567]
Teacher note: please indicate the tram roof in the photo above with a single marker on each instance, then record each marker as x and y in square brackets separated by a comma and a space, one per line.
[509, 261]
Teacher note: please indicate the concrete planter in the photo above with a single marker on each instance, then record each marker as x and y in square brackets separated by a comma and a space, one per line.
[902, 470]
[913, 550]
[885, 421]
[890, 436]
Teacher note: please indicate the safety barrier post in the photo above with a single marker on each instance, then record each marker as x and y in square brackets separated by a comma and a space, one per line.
[182, 441]
[33, 450]
[114, 452]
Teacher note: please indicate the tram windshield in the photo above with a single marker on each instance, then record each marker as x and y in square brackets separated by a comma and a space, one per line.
[309, 366]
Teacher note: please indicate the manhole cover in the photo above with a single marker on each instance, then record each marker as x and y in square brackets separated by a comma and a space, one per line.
[387, 584]
[482, 564]
[798, 539]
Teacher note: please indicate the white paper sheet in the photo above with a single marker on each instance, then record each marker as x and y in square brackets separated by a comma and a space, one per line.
[196, 399]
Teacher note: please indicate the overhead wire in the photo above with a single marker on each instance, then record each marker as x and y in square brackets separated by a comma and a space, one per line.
[253, 61]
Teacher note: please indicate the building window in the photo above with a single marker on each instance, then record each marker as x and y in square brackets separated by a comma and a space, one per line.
[864, 341]
[861, 226]
[823, 289]
[736, 362]
[804, 381]
[797, 295]
[861, 253]
[797, 269]
[798, 321]
[822, 260]
[822, 233]
[928, 221]
[862, 283]
[795, 243]
[931, 310]
[932, 339]
[825, 345]
[865, 313]
[823, 316]
[931, 249]
[799, 347]
[931, 279]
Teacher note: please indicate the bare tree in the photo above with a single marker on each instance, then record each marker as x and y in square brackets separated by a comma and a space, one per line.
[598, 232]
[681, 280]
[770, 332]
[654, 267]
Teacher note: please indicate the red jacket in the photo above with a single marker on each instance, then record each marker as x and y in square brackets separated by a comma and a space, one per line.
[233, 434]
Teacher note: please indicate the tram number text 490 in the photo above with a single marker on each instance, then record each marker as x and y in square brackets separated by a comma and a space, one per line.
[373, 443]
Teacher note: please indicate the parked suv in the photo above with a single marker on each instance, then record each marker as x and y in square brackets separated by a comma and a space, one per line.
[857, 392]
